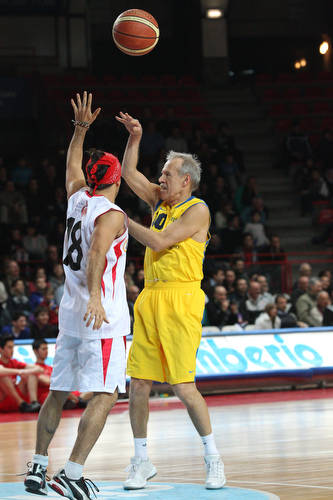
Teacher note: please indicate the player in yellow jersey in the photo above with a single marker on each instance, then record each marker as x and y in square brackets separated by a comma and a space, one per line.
[168, 312]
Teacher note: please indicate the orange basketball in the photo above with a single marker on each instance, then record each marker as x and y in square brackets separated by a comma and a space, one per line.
[135, 32]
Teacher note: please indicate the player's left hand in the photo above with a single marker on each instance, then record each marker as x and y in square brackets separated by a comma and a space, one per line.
[95, 312]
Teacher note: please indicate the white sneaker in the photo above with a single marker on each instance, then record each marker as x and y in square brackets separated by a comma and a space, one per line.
[215, 478]
[139, 472]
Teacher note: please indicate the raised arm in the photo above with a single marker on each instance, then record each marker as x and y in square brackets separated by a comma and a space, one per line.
[142, 187]
[108, 226]
[83, 118]
[193, 224]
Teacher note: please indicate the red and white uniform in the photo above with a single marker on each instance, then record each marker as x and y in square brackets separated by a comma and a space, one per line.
[87, 359]
[82, 213]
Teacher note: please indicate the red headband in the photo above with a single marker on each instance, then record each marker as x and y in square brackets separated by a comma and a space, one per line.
[111, 176]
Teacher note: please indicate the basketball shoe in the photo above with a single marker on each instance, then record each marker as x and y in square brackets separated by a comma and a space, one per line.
[139, 473]
[215, 478]
[35, 480]
[75, 489]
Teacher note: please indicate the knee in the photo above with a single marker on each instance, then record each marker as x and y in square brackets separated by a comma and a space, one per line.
[185, 392]
[140, 388]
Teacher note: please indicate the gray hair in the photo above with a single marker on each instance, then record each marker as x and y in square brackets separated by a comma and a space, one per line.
[313, 281]
[191, 166]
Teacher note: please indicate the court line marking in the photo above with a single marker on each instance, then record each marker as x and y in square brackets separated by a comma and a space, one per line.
[254, 482]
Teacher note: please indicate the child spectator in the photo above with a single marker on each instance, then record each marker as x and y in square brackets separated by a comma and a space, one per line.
[41, 328]
[19, 328]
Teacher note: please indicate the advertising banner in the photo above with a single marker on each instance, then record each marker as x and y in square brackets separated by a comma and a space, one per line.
[246, 354]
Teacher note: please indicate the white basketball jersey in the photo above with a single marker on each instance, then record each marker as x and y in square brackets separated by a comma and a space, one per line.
[82, 212]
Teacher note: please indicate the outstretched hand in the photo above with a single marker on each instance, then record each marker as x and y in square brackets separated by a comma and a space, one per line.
[82, 109]
[132, 125]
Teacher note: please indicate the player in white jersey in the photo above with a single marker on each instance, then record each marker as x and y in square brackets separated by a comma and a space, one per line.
[93, 315]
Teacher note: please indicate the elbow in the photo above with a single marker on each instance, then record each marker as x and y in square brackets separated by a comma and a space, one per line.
[158, 244]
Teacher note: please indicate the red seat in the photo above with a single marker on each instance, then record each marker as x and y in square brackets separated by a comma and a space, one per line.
[270, 94]
[299, 108]
[168, 80]
[321, 107]
[313, 91]
[291, 93]
[286, 77]
[278, 109]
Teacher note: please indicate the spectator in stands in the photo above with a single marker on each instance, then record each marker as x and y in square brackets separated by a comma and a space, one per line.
[306, 302]
[229, 282]
[217, 308]
[218, 277]
[41, 328]
[304, 269]
[315, 190]
[50, 304]
[297, 144]
[325, 283]
[219, 193]
[37, 297]
[238, 265]
[274, 252]
[254, 303]
[12, 273]
[230, 171]
[139, 278]
[15, 246]
[57, 277]
[249, 191]
[21, 174]
[34, 199]
[56, 207]
[318, 311]
[13, 209]
[300, 287]
[215, 245]
[15, 396]
[269, 319]
[231, 236]
[18, 301]
[249, 253]
[257, 205]
[176, 141]
[19, 328]
[257, 229]
[288, 319]
[223, 214]
[40, 349]
[34, 243]
[240, 293]
[264, 288]
[52, 258]
[132, 294]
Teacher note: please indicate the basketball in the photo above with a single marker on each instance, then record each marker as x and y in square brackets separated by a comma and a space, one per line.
[135, 32]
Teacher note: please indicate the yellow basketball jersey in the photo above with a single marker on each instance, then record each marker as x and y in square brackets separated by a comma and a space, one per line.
[181, 262]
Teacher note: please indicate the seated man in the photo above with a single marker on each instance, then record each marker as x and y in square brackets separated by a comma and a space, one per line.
[15, 396]
[41, 352]
[19, 328]
[75, 399]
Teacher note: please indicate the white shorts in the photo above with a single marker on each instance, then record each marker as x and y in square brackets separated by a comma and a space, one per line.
[84, 365]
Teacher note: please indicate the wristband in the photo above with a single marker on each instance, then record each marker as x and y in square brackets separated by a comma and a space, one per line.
[80, 124]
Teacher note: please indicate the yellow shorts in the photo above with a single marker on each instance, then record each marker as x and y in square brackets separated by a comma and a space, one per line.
[167, 332]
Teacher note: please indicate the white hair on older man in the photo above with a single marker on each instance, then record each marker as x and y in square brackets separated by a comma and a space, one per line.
[191, 166]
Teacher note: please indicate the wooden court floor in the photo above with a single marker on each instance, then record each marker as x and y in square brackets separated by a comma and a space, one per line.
[280, 443]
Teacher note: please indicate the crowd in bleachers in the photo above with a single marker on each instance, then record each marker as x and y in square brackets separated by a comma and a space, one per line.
[33, 211]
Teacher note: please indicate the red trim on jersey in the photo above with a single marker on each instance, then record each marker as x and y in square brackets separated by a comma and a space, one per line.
[92, 195]
[125, 342]
[102, 281]
[117, 251]
[106, 345]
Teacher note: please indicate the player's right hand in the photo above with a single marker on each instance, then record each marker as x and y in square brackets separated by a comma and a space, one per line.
[82, 108]
[133, 126]
[95, 312]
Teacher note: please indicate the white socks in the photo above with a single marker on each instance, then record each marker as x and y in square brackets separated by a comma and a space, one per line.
[209, 444]
[73, 470]
[140, 447]
[42, 460]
